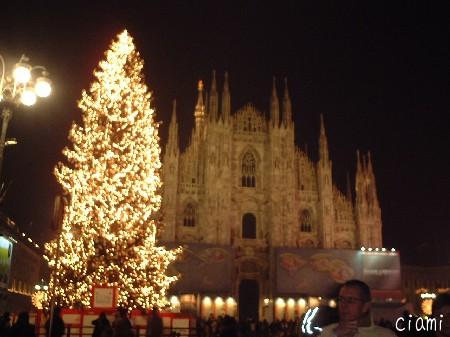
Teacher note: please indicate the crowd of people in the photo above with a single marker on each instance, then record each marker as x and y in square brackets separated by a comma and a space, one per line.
[21, 328]
[54, 327]
[226, 326]
[351, 319]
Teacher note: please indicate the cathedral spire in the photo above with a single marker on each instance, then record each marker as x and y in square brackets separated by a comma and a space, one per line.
[358, 163]
[369, 164]
[349, 187]
[199, 107]
[372, 188]
[274, 106]
[364, 164]
[172, 144]
[322, 126]
[173, 119]
[323, 142]
[325, 187]
[287, 106]
[213, 99]
[226, 100]
[360, 195]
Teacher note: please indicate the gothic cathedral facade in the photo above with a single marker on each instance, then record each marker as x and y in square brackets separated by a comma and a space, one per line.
[243, 181]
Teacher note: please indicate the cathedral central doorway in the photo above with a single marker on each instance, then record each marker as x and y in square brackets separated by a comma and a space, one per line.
[248, 300]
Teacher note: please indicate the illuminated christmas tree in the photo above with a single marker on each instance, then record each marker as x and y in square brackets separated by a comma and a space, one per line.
[112, 182]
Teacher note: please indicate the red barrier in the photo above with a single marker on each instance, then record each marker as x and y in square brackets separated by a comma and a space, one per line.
[79, 322]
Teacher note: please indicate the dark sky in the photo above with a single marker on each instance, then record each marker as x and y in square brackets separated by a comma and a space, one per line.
[378, 72]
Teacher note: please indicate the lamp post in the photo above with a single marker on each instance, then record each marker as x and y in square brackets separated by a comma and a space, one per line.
[40, 294]
[41, 286]
[21, 85]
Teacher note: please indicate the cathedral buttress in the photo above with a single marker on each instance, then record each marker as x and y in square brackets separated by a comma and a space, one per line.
[172, 147]
[287, 107]
[226, 101]
[274, 106]
[360, 202]
[275, 212]
[324, 179]
[374, 207]
[213, 100]
[170, 179]
[368, 212]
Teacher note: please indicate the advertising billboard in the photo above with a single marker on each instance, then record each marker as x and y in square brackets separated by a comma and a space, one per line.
[202, 268]
[5, 261]
[319, 272]
[381, 271]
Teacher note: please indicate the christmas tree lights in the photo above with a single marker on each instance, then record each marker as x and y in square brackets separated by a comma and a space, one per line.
[112, 181]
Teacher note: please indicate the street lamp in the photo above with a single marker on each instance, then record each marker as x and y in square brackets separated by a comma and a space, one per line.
[20, 86]
[40, 295]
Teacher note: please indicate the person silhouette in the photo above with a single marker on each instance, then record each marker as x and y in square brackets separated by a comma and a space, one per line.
[154, 324]
[102, 327]
[23, 328]
[58, 327]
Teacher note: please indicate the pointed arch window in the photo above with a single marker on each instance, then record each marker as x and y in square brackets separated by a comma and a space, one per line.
[305, 221]
[189, 216]
[248, 170]
[248, 226]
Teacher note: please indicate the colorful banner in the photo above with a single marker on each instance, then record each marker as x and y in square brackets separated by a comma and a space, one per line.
[5, 261]
[319, 272]
[202, 268]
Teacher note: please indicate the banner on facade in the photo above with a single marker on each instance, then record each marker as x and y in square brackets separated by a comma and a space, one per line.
[202, 268]
[6, 247]
[319, 272]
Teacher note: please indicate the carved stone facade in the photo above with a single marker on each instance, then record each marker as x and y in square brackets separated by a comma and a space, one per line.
[242, 181]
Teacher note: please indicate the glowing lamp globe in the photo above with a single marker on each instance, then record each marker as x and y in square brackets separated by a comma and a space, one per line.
[43, 87]
[22, 73]
[28, 97]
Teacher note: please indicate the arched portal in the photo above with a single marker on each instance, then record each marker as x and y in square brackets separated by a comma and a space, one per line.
[248, 300]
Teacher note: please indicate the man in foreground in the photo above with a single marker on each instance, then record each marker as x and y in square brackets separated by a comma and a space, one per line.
[354, 314]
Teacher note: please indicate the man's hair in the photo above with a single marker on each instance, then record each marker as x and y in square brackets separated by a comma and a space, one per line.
[441, 301]
[362, 286]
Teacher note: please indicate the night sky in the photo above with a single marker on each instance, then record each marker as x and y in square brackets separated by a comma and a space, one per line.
[378, 72]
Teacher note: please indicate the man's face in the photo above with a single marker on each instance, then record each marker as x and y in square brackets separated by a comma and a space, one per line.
[445, 312]
[351, 304]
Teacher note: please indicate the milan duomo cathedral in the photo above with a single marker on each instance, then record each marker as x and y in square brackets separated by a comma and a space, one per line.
[242, 181]
[245, 190]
